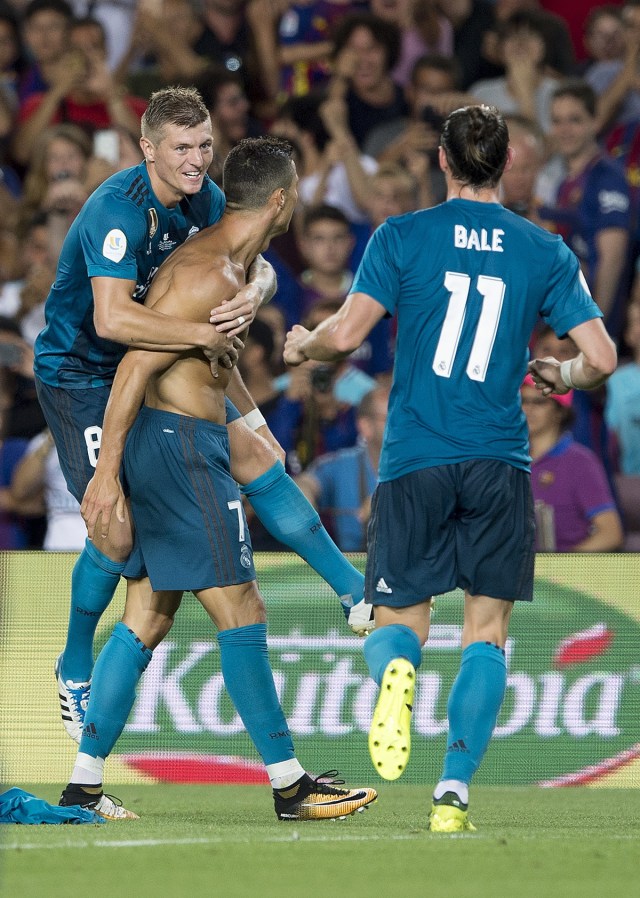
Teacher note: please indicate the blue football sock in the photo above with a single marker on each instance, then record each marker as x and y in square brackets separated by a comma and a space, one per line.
[474, 703]
[289, 516]
[387, 643]
[94, 581]
[118, 669]
[249, 681]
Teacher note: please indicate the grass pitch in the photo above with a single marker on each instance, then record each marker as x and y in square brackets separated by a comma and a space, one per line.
[225, 841]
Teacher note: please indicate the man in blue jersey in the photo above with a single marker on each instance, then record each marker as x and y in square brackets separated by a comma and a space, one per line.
[95, 309]
[468, 280]
[191, 532]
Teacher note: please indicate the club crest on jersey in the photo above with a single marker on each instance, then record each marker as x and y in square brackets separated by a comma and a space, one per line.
[245, 556]
[115, 245]
[153, 222]
[166, 244]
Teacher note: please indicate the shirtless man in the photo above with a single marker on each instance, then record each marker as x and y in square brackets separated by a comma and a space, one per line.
[191, 532]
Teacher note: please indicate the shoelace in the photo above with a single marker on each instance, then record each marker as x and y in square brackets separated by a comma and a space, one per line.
[326, 783]
[77, 697]
[112, 798]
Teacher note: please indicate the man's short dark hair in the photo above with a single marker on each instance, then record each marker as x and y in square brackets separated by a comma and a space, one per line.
[211, 81]
[36, 6]
[535, 20]
[448, 65]
[476, 140]
[608, 10]
[304, 113]
[323, 212]
[90, 22]
[255, 168]
[579, 90]
[384, 33]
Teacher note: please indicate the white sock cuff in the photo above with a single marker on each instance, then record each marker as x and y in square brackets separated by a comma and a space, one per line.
[89, 767]
[284, 773]
[461, 789]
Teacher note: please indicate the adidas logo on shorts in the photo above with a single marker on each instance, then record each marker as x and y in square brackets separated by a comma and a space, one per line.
[381, 586]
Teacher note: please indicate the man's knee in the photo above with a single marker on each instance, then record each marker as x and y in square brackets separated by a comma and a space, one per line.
[251, 454]
[486, 620]
[117, 545]
[235, 606]
[416, 617]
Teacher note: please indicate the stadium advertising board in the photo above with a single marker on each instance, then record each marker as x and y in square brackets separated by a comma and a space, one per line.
[571, 713]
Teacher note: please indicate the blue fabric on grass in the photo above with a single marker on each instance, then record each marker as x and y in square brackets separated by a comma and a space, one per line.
[18, 806]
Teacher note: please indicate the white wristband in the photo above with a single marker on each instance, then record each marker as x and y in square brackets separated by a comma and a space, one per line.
[254, 419]
[565, 374]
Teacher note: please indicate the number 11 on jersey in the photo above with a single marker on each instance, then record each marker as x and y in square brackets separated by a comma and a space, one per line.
[492, 291]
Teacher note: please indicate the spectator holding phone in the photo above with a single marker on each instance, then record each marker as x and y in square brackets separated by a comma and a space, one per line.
[84, 93]
[408, 139]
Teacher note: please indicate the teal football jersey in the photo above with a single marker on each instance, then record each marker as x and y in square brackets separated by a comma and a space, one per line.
[122, 231]
[468, 281]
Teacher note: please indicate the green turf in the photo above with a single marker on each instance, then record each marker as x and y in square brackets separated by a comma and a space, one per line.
[225, 841]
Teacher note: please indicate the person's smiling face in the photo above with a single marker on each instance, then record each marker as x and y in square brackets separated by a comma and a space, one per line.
[179, 161]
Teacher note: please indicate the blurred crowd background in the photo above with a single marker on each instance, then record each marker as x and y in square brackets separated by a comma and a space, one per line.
[361, 90]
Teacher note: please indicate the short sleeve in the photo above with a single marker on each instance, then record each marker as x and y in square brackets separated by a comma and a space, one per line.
[378, 274]
[568, 301]
[111, 236]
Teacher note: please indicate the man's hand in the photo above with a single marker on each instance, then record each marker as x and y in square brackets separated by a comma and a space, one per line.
[546, 376]
[233, 316]
[102, 495]
[228, 358]
[292, 353]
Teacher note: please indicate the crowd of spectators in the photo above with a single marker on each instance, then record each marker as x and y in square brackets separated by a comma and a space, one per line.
[361, 88]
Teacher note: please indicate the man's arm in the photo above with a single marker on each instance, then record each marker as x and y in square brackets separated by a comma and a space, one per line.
[595, 362]
[104, 491]
[606, 533]
[117, 317]
[260, 289]
[337, 336]
[612, 246]
[310, 487]
[252, 416]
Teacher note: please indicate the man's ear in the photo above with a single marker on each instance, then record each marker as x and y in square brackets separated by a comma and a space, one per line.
[148, 149]
[280, 197]
[511, 155]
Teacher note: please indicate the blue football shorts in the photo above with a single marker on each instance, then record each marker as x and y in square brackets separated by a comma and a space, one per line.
[468, 525]
[75, 418]
[190, 528]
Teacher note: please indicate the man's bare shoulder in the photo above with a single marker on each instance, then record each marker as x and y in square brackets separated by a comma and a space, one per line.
[192, 283]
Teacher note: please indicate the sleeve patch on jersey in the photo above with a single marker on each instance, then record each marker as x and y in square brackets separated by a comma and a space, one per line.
[583, 282]
[114, 246]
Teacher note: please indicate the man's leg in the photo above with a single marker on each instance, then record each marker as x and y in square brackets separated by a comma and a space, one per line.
[473, 707]
[238, 612]
[393, 653]
[95, 578]
[75, 418]
[147, 619]
[288, 515]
